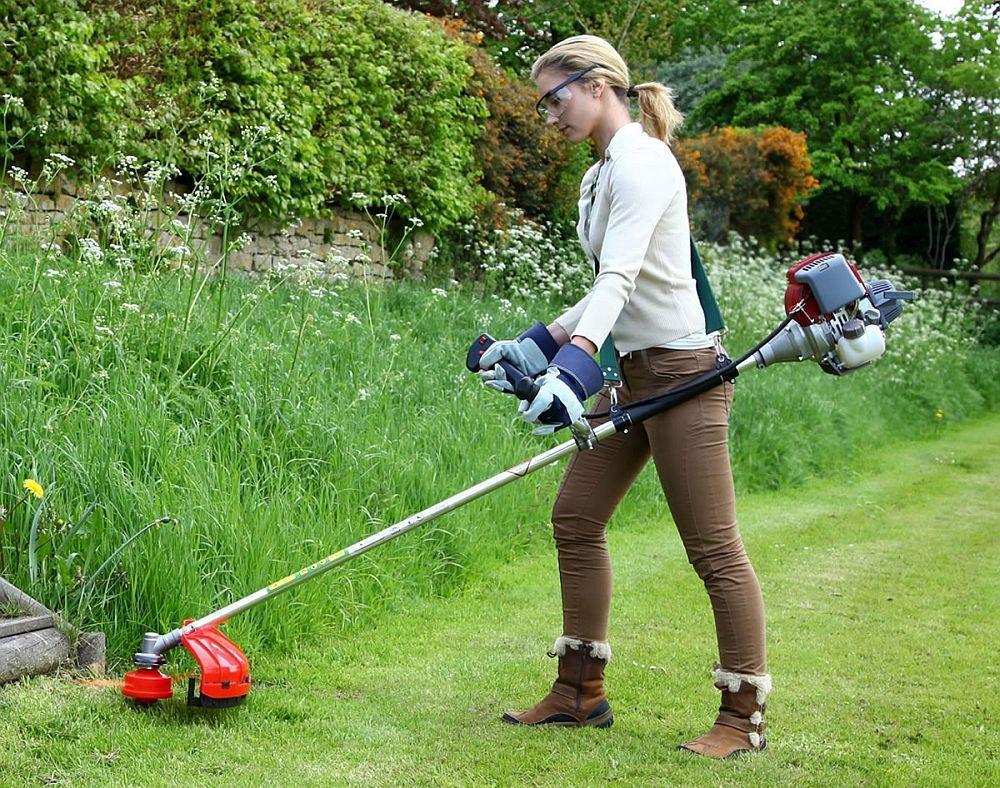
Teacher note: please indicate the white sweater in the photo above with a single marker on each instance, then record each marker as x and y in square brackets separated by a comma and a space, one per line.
[644, 294]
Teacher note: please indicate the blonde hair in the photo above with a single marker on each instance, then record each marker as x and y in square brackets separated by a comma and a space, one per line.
[660, 118]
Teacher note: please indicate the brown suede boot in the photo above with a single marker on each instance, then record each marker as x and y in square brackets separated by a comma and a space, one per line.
[577, 698]
[740, 725]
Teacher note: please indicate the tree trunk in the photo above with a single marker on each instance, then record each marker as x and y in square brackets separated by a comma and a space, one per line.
[890, 223]
[986, 220]
[854, 230]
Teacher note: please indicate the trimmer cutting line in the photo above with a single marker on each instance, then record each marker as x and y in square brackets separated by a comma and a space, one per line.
[832, 316]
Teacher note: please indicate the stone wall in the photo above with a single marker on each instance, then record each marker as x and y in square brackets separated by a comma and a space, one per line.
[343, 242]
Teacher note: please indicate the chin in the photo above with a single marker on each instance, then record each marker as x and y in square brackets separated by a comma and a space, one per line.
[575, 135]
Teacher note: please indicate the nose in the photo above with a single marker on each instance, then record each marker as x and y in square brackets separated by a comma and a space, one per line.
[551, 120]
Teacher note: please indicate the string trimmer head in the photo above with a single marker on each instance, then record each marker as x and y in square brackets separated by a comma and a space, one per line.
[225, 673]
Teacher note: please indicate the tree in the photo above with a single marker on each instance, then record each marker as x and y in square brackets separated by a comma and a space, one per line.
[968, 95]
[519, 31]
[853, 77]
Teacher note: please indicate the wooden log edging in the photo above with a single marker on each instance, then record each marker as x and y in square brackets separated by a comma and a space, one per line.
[32, 653]
[40, 641]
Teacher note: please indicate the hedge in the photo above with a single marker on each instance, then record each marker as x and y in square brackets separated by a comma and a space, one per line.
[343, 96]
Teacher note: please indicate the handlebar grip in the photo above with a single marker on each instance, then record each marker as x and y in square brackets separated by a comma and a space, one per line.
[524, 387]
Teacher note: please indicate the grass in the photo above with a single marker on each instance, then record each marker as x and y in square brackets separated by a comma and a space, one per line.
[880, 582]
[276, 423]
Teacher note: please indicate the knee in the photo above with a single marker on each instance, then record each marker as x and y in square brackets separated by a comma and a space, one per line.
[725, 563]
[571, 526]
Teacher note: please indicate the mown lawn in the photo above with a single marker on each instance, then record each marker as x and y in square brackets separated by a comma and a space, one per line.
[882, 596]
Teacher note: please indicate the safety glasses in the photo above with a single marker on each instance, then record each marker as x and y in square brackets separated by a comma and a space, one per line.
[553, 102]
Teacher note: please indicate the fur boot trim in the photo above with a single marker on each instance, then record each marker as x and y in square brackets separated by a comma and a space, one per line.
[598, 649]
[733, 680]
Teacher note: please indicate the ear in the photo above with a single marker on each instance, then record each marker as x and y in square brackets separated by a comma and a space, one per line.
[597, 88]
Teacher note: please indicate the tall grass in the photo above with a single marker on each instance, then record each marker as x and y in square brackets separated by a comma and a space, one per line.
[300, 424]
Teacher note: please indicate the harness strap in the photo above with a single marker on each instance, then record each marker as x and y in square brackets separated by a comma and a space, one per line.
[608, 358]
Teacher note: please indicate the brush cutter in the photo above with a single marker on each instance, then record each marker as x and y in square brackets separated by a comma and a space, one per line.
[832, 316]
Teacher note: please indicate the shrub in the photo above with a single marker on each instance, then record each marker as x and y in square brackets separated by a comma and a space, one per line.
[341, 95]
[749, 182]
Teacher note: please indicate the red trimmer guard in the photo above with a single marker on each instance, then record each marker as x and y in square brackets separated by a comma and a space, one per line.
[225, 672]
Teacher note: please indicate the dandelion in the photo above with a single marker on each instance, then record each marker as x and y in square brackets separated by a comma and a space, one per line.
[34, 488]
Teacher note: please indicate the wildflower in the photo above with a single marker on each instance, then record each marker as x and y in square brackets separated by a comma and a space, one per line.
[3, 513]
[52, 273]
[352, 318]
[104, 330]
[439, 292]
[416, 222]
[356, 234]
[939, 414]
[20, 176]
[34, 488]
[395, 337]
[359, 197]
[12, 101]
[60, 160]
[112, 284]
[363, 394]
[132, 308]
[179, 251]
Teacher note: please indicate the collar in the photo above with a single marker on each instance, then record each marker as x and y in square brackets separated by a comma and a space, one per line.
[622, 139]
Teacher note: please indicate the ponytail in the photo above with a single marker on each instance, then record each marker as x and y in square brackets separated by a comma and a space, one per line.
[660, 118]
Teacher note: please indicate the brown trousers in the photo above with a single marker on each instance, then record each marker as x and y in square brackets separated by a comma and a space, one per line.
[689, 445]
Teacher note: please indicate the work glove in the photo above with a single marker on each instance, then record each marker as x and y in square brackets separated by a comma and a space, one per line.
[530, 354]
[569, 380]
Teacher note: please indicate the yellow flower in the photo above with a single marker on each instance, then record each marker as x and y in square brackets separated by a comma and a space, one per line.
[34, 488]
[939, 414]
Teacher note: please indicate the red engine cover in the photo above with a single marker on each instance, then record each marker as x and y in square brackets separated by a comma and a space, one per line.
[797, 293]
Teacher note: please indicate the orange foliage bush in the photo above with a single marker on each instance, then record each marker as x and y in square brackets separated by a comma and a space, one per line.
[524, 163]
[749, 181]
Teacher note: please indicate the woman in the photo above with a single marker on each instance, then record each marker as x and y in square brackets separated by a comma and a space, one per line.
[634, 226]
